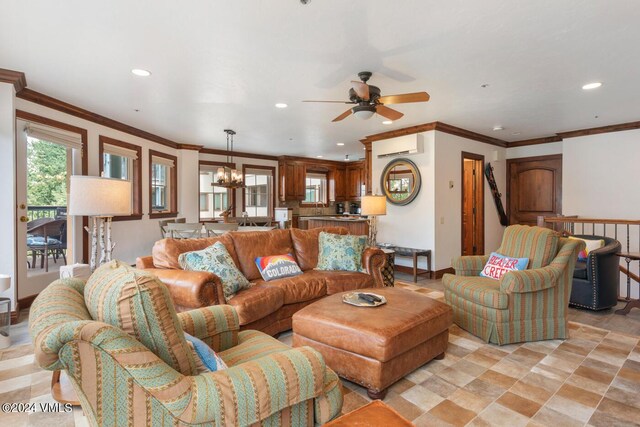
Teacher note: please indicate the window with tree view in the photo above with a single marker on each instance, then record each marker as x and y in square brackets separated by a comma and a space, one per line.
[213, 200]
[159, 188]
[315, 188]
[258, 193]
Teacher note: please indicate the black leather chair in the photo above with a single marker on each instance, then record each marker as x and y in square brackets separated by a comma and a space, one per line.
[596, 281]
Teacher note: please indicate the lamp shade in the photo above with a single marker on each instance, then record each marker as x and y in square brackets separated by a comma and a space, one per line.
[96, 196]
[5, 282]
[374, 205]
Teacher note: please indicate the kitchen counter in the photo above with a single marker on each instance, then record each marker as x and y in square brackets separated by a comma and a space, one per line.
[334, 218]
[357, 226]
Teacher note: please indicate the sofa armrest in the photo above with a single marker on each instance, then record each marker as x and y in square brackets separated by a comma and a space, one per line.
[217, 325]
[144, 262]
[373, 260]
[191, 289]
[469, 265]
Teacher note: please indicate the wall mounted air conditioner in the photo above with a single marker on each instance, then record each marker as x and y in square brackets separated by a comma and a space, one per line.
[400, 146]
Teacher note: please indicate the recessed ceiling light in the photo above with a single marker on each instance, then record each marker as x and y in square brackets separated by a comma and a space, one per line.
[281, 105]
[340, 143]
[497, 128]
[140, 72]
[319, 157]
[387, 122]
[593, 85]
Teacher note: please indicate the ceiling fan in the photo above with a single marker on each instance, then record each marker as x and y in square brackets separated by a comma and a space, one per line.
[367, 100]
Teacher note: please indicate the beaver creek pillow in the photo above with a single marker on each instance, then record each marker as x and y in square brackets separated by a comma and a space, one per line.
[498, 265]
[207, 360]
[216, 259]
[337, 252]
[277, 267]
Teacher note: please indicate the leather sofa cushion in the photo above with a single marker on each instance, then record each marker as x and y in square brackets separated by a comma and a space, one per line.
[381, 333]
[166, 251]
[305, 243]
[251, 245]
[340, 281]
[580, 272]
[257, 302]
[304, 287]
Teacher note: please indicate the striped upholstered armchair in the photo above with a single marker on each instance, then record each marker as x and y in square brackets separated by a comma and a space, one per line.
[528, 305]
[145, 373]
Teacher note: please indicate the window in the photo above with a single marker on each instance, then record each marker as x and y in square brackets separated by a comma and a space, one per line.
[315, 188]
[121, 160]
[213, 200]
[259, 193]
[163, 179]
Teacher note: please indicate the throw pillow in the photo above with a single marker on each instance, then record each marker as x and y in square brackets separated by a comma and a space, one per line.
[498, 265]
[277, 266]
[592, 244]
[216, 259]
[206, 359]
[337, 252]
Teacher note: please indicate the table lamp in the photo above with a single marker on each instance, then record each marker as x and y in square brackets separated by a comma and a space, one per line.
[101, 199]
[373, 206]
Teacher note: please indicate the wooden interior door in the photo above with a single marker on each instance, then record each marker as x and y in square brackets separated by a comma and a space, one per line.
[472, 204]
[534, 187]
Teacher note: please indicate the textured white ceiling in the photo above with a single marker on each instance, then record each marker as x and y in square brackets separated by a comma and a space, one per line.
[224, 64]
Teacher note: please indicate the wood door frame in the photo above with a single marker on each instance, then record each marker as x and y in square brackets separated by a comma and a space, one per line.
[523, 160]
[476, 157]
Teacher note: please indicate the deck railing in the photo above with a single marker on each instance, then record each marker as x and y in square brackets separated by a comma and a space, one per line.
[626, 231]
[36, 212]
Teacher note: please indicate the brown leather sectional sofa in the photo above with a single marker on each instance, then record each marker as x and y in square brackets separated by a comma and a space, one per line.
[265, 306]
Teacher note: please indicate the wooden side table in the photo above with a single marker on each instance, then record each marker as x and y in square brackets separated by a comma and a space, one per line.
[415, 253]
[631, 303]
[388, 271]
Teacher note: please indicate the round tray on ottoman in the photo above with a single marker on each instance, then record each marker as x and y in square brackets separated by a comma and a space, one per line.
[377, 346]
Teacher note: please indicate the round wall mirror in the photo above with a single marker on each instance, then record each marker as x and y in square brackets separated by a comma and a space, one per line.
[400, 181]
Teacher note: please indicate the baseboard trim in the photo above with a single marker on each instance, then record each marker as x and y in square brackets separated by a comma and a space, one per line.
[26, 302]
[440, 273]
[409, 270]
[15, 314]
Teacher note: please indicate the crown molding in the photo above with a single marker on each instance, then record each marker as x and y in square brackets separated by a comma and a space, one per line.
[440, 126]
[192, 147]
[576, 133]
[237, 154]
[534, 141]
[16, 78]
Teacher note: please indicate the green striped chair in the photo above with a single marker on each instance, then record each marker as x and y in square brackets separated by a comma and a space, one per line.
[528, 305]
[125, 353]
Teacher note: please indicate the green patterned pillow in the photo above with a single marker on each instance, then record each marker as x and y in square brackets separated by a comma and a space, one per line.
[216, 259]
[338, 252]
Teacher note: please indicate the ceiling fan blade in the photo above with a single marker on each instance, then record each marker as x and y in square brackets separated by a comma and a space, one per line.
[388, 112]
[404, 98]
[361, 89]
[334, 102]
[342, 116]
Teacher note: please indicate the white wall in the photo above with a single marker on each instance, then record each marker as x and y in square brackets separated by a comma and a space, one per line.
[418, 224]
[448, 215]
[7, 187]
[411, 225]
[534, 150]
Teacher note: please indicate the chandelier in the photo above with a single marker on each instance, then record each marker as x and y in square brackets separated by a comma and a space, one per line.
[227, 177]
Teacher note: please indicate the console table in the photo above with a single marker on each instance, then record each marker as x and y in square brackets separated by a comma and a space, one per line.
[413, 253]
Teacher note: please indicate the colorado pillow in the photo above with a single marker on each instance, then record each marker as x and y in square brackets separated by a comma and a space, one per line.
[498, 265]
[592, 244]
[277, 266]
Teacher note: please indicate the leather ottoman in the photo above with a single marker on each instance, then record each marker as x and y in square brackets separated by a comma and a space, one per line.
[375, 346]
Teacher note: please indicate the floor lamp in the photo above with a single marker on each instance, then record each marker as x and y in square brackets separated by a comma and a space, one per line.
[373, 206]
[101, 199]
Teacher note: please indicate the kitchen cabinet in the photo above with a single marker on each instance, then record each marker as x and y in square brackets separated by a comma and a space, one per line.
[337, 184]
[356, 180]
[291, 177]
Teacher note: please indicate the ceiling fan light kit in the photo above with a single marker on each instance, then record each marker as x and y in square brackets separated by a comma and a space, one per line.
[226, 176]
[369, 101]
